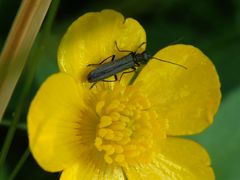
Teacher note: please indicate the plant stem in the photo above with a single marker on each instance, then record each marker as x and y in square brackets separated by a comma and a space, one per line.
[18, 45]
[135, 75]
[7, 123]
[28, 82]
[20, 164]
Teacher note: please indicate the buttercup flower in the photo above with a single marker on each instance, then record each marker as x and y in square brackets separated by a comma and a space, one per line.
[121, 131]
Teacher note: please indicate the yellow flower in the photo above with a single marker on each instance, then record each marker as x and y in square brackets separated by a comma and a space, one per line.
[116, 130]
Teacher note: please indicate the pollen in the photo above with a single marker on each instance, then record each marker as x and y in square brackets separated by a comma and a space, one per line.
[128, 127]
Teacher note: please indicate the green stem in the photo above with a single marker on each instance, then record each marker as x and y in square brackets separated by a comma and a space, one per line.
[124, 174]
[28, 82]
[12, 129]
[21, 126]
[134, 77]
[18, 45]
[20, 164]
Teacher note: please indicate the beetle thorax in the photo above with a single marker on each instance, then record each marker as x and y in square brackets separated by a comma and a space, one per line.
[142, 58]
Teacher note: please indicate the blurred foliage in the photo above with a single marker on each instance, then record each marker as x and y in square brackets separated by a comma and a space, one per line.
[211, 25]
[222, 139]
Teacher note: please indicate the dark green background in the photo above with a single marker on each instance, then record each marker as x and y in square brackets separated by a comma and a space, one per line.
[211, 25]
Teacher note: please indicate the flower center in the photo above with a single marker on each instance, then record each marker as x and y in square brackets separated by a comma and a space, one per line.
[127, 126]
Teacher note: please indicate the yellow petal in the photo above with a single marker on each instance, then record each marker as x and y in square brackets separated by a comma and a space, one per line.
[52, 122]
[90, 40]
[89, 171]
[187, 98]
[179, 159]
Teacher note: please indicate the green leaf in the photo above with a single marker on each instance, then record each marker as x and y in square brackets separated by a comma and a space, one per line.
[3, 172]
[222, 139]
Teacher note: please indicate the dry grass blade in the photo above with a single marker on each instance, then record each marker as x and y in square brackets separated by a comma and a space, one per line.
[18, 45]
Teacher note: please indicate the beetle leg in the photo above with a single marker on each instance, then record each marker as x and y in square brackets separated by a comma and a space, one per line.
[128, 50]
[120, 49]
[115, 77]
[138, 64]
[112, 59]
[133, 69]
[140, 45]
[92, 85]
[104, 80]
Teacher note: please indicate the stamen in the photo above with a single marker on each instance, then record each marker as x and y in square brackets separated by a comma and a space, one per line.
[127, 130]
[105, 121]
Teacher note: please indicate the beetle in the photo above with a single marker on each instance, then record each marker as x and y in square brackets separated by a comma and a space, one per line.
[130, 61]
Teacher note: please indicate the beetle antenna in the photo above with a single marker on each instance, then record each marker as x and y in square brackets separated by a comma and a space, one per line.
[170, 62]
